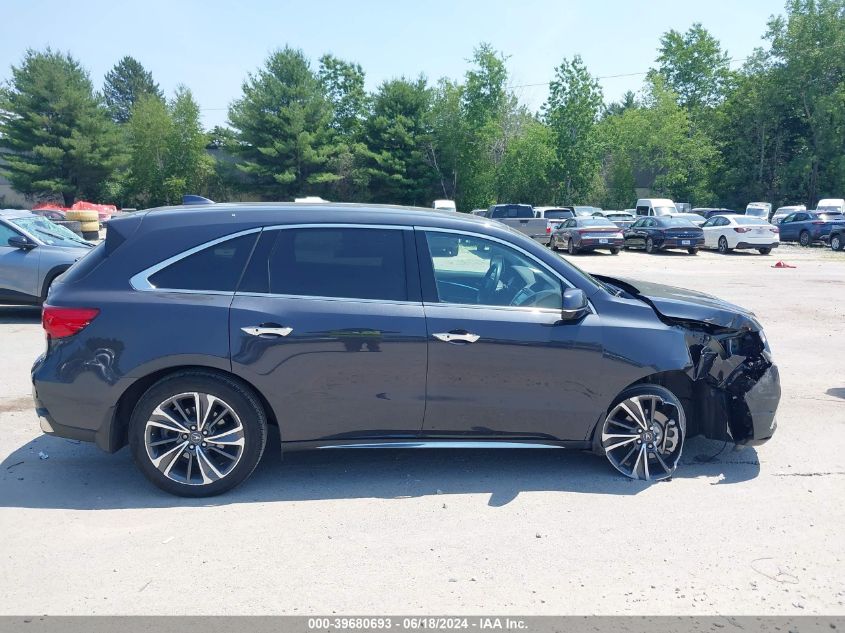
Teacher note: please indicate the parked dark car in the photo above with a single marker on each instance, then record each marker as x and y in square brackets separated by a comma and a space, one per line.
[807, 228]
[189, 331]
[664, 232]
[709, 212]
[587, 234]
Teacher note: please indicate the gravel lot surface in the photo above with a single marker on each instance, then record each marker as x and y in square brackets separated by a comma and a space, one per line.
[458, 531]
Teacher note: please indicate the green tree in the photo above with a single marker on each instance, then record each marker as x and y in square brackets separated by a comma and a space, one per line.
[528, 164]
[124, 84]
[397, 140]
[343, 85]
[694, 66]
[446, 141]
[149, 134]
[285, 143]
[55, 136]
[488, 109]
[168, 150]
[572, 110]
[806, 53]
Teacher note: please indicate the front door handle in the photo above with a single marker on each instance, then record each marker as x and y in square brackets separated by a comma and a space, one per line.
[261, 330]
[456, 336]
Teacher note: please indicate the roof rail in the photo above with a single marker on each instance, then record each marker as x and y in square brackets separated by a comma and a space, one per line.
[190, 199]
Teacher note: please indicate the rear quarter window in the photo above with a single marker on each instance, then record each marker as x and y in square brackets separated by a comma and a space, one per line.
[215, 268]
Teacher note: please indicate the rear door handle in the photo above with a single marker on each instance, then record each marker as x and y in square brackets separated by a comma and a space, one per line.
[456, 336]
[261, 330]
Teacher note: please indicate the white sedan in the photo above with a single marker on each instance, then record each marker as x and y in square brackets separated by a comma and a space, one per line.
[729, 232]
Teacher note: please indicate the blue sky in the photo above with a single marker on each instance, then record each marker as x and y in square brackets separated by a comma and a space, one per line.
[210, 46]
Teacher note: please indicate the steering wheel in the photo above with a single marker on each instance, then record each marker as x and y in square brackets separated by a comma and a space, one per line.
[491, 278]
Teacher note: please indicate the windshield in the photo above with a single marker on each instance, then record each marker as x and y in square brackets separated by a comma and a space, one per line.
[512, 211]
[619, 216]
[586, 210]
[756, 212]
[595, 222]
[49, 232]
[556, 214]
[664, 210]
[829, 209]
[832, 216]
[676, 222]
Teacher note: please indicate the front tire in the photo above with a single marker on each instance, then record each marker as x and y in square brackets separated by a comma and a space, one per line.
[804, 239]
[643, 434]
[197, 434]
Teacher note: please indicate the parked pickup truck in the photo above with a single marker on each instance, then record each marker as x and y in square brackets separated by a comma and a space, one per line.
[521, 217]
[808, 227]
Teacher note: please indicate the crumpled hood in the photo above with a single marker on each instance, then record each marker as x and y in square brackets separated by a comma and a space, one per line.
[689, 305]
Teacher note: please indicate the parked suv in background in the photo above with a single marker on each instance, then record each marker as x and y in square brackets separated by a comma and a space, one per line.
[33, 252]
[189, 331]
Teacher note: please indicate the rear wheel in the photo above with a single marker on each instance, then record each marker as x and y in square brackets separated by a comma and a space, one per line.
[643, 433]
[836, 243]
[804, 238]
[723, 245]
[649, 245]
[197, 434]
[614, 251]
[692, 251]
[764, 251]
[570, 247]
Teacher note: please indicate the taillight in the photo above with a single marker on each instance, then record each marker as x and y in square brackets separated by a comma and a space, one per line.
[742, 229]
[548, 229]
[62, 322]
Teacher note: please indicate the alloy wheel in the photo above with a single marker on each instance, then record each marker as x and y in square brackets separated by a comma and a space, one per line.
[804, 238]
[194, 438]
[643, 436]
[836, 243]
[723, 245]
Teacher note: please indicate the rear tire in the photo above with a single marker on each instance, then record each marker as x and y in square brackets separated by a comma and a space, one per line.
[91, 236]
[167, 440]
[764, 251]
[570, 247]
[649, 246]
[643, 434]
[692, 251]
[724, 249]
[804, 239]
[836, 243]
[614, 251]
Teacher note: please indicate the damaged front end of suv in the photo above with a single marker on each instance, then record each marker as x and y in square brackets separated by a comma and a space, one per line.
[733, 387]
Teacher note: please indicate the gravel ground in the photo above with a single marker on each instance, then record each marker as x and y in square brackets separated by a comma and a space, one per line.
[529, 532]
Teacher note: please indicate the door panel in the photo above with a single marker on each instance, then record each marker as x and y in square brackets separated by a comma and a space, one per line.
[19, 272]
[524, 377]
[347, 369]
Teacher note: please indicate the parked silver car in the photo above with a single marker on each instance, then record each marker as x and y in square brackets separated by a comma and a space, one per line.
[33, 252]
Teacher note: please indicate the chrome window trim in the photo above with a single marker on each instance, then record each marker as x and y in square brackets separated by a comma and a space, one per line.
[141, 281]
[270, 295]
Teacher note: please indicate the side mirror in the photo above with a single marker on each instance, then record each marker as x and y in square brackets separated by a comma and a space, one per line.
[19, 241]
[575, 304]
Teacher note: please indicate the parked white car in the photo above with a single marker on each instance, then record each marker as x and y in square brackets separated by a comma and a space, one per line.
[729, 232]
[759, 210]
[655, 206]
[831, 205]
[782, 212]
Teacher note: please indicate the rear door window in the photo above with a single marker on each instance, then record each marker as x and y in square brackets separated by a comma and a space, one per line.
[351, 263]
[217, 267]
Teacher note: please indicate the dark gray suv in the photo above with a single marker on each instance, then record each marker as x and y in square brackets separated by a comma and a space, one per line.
[191, 330]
